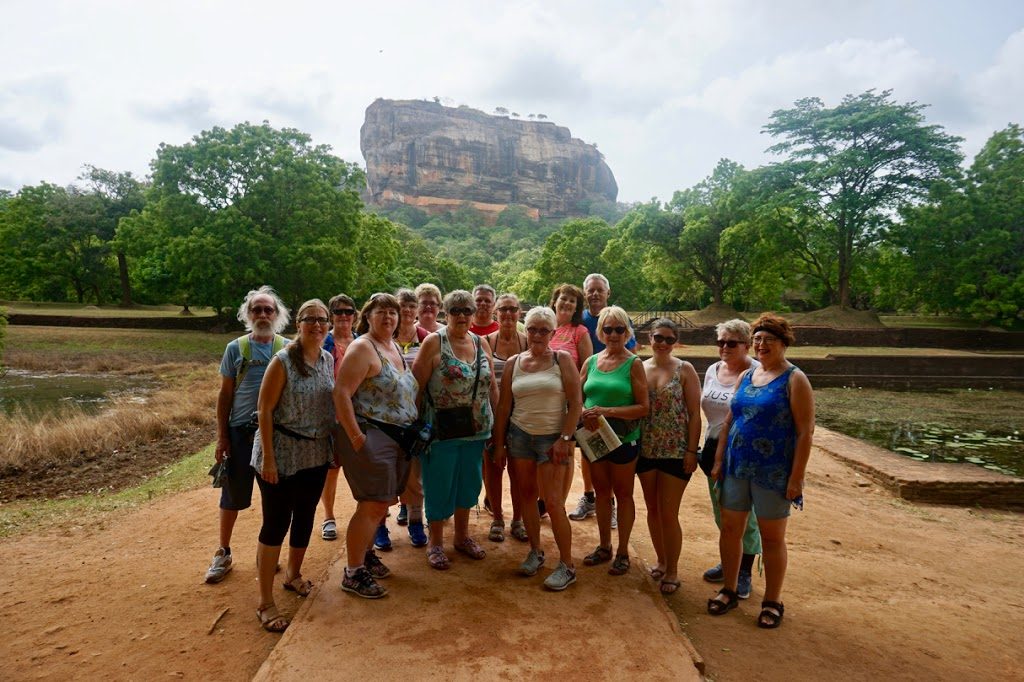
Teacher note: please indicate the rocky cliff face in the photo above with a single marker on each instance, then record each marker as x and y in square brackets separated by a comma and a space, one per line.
[436, 157]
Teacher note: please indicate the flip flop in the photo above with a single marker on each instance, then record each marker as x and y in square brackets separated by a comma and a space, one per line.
[669, 586]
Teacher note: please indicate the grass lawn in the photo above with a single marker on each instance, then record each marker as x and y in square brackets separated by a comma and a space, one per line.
[77, 310]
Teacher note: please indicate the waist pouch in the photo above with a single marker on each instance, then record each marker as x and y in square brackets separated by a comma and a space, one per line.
[455, 422]
[413, 439]
[295, 434]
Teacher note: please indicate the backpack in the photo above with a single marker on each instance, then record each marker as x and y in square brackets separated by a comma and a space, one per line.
[245, 347]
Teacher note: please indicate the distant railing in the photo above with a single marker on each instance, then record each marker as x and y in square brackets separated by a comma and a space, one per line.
[642, 321]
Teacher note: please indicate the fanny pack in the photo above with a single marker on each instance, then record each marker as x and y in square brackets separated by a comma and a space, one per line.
[295, 434]
[413, 439]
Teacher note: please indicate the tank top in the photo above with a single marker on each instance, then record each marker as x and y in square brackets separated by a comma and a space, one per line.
[305, 407]
[567, 338]
[665, 426]
[539, 407]
[762, 437]
[499, 362]
[610, 389]
[452, 381]
[389, 397]
[715, 398]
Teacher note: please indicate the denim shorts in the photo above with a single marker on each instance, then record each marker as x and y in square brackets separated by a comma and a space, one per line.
[737, 494]
[523, 445]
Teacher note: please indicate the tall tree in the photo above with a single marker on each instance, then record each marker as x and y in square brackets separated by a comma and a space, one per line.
[849, 169]
[120, 194]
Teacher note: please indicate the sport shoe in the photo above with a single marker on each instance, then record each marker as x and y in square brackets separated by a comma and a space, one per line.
[219, 567]
[375, 566]
[715, 574]
[382, 540]
[417, 535]
[615, 516]
[743, 585]
[329, 530]
[534, 560]
[403, 515]
[584, 509]
[560, 578]
[362, 584]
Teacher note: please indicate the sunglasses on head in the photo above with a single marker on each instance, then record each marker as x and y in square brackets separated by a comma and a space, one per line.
[346, 312]
[731, 343]
[658, 338]
[616, 330]
[265, 309]
[460, 311]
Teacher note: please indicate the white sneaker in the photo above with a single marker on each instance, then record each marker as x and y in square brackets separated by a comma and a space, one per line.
[615, 515]
[583, 510]
[219, 567]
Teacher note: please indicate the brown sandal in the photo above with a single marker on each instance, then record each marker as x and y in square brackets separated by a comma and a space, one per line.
[271, 620]
[299, 586]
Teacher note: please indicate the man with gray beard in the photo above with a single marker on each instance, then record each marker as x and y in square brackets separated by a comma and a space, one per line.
[242, 367]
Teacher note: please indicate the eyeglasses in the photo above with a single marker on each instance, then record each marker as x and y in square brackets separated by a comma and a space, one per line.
[767, 338]
[538, 331]
[265, 309]
[343, 312]
[460, 311]
[508, 309]
[428, 304]
[731, 343]
[616, 330]
[315, 320]
[658, 338]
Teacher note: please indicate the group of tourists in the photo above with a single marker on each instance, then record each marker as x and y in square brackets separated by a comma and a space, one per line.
[426, 415]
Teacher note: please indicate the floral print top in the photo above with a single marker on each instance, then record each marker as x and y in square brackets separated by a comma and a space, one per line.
[665, 426]
[388, 397]
[762, 437]
[452, 382]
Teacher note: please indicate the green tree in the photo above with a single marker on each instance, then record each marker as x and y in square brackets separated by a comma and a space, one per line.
[849, 169]
[120, 195]
[570, 254]
[965, 247]
[239, 207]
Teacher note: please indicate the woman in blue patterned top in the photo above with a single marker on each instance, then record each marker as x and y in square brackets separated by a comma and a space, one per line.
[763, 461]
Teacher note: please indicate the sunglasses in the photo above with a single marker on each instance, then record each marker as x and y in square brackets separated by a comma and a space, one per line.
[508, 309]
[537, 331]
[460, 311]
[265, 309]
[616, 330]
[658, 338]
[315, 320]
[345, 312]
[731, 343]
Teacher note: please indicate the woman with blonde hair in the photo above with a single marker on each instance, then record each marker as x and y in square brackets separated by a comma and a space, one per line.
[291, 454]
[614, 387]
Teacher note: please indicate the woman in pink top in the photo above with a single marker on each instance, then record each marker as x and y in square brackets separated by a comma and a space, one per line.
[571, 334]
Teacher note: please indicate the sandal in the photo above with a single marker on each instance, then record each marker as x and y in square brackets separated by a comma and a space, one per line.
[669, 586]
[329, 530]
[620, 566]
[270, 619]
[768, 618]
[717, 607]
[656, 573]
[497, 532]
[299, 585]
[519, 531]
[598, 556]
[437, 558]
[469, 547]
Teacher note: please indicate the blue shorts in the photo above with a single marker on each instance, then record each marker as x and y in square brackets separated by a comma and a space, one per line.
[237, 491]
[737, 494]
[522, 445]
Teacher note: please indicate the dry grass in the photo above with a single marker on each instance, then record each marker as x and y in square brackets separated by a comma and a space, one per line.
[187, 399]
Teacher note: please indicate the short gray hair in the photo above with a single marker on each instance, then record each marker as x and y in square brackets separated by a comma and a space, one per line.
[458, 298]
[485, 287]
[283, 317]
[734, 326]
[543, 313]
[597, 275]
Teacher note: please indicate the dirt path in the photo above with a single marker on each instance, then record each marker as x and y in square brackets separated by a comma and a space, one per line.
[877, 588]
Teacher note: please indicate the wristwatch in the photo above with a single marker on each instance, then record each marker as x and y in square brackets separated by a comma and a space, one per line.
[566, 438]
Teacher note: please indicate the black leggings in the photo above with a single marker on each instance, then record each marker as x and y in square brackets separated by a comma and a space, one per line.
[291, 502]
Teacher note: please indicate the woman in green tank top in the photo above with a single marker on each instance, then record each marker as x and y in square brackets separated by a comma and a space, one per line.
[615, 387]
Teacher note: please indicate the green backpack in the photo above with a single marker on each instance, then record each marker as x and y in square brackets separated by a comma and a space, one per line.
[245, 347]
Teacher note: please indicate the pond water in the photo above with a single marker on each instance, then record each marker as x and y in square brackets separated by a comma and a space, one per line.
[1002, 451]
[39, 392]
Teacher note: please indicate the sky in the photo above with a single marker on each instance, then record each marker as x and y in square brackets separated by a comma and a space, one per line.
[665, 89]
